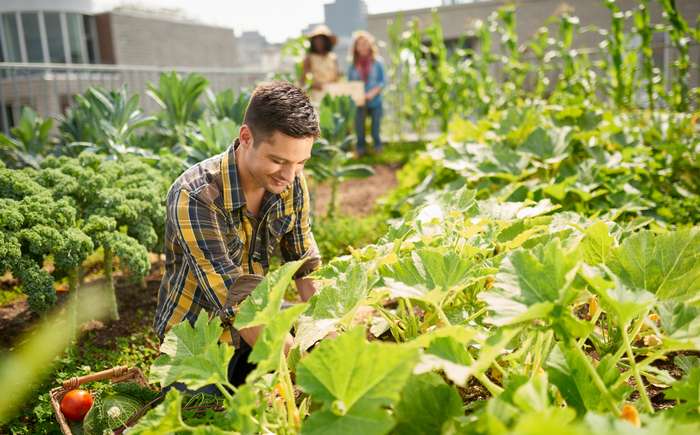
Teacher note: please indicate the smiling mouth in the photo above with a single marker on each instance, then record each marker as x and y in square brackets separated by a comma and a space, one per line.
[279, 182]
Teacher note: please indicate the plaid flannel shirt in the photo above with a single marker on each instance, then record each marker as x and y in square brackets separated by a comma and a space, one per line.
[215, 252]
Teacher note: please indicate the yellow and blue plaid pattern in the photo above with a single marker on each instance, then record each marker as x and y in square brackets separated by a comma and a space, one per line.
[214, 248]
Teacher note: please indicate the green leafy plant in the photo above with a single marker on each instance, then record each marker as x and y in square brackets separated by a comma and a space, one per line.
[104, 122]
[28, 142]
[179, 99]
[226, 104]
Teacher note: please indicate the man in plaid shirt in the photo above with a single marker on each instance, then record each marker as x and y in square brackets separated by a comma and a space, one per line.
[226, 216]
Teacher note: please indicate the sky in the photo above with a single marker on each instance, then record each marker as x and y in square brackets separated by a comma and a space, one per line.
[277, 20]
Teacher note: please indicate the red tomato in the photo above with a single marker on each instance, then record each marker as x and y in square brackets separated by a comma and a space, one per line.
[75, 404]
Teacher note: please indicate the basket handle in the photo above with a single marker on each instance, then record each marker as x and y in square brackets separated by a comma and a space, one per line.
[75, 382]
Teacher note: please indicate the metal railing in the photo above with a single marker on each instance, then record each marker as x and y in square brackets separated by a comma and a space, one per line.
[49, 88]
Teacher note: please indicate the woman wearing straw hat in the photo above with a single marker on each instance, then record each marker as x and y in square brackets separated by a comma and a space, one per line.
[367, 66]
[320, 61]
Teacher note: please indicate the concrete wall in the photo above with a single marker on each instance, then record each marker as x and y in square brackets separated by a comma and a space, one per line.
[142, 40]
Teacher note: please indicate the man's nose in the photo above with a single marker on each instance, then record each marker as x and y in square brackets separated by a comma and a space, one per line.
[288, 173]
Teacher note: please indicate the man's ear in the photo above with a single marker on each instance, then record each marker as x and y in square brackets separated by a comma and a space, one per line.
[245, 136]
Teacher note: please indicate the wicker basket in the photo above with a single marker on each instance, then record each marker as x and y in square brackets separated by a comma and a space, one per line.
[116, 374]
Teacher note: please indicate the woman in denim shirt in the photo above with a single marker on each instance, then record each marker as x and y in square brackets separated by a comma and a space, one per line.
[367, 67]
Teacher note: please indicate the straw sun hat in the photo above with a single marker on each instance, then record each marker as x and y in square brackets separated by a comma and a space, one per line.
[323, 30]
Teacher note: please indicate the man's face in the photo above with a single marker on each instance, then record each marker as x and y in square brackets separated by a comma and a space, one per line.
[276, 160]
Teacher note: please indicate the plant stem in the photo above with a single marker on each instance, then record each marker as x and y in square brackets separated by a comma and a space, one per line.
[334, 198]
[637, 327]
[112, 297]
[596, 379]
[286, 382]
[635, 370]
[224, 392]
[494, 389]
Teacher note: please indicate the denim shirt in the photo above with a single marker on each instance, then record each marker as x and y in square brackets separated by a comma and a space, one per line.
[375, 78]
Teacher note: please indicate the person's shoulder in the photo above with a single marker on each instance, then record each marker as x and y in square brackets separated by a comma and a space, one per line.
[201, 179]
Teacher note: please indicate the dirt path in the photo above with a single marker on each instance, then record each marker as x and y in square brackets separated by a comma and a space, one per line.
[357, 197]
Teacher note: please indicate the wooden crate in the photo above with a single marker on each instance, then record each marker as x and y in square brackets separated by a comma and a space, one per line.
[355, 89]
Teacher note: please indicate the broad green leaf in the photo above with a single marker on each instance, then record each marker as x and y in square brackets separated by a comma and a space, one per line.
[449, 354]
[354, 171]
[336, 300]
[426, 404]
[265, 301]
[240, 410]
[332, 302]
[515, 210]
[549, 145]
[568, 372]
[348, 374]
[532, 396]
[549, 421]
[461, 334]
[364, 418]
[667, 264]
[429, 274]
[621, 302]
[597, 243]
[165, 418]
[268, 348]
[680, 323]
[687, 392]
[658, 424]
[686, 363]
[310, 330]
[529, 284]
[193, 356]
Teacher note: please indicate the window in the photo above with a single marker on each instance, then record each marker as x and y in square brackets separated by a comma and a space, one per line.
[6, 119]
[10, 39]
[32, 36]
[91, 41]
[54, 36]
[75, 37]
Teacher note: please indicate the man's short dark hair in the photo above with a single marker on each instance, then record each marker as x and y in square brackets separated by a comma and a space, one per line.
[280, 106]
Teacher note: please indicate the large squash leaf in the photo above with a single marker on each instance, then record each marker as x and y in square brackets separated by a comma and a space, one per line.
[354, 381]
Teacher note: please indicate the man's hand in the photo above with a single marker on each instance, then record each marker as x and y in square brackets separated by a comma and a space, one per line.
[250, 336]
[288, 343]
[305, 288]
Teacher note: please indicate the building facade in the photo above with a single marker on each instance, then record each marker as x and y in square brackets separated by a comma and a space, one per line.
[51, 50]
[345, 16]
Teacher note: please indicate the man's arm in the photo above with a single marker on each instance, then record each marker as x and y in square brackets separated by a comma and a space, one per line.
[305, 287]
[199, 231]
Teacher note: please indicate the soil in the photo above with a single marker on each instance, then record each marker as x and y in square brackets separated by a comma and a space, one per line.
[357, 197]
[136, 307]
